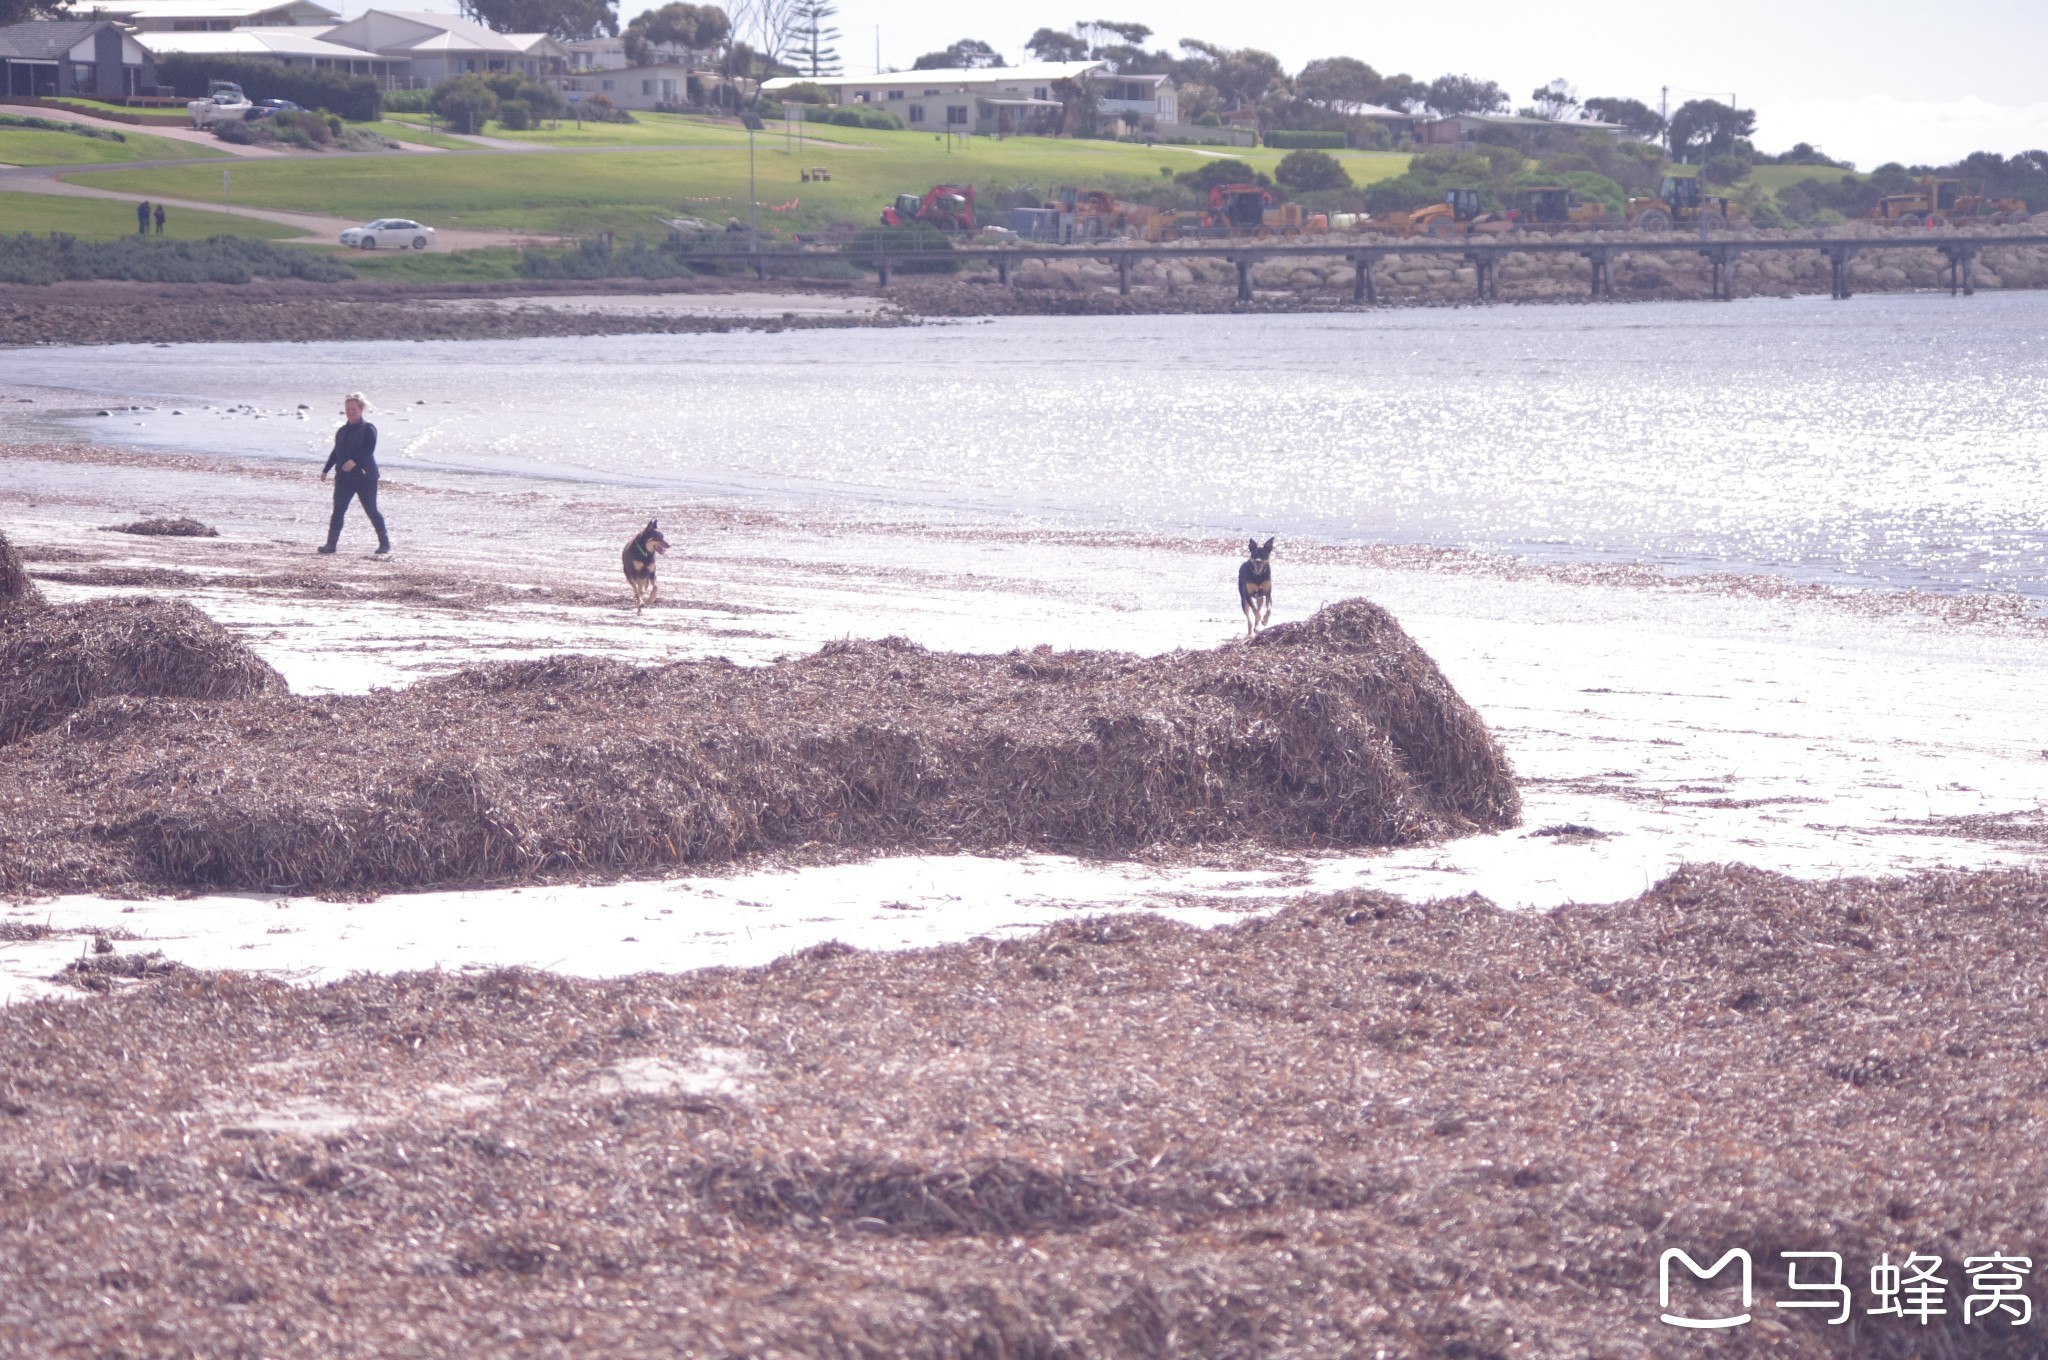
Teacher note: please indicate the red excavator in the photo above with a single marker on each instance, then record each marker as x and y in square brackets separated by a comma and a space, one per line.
[948, 207]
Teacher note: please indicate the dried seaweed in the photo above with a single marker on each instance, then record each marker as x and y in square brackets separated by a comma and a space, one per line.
[55, 661]
[1336, 731]
[17, 591]
[1357, 1127]
[159, 526]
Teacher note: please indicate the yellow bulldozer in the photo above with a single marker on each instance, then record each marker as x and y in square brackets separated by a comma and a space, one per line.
[1555, 207]
[1937, 202]
[1682, 202]
[1458, 215]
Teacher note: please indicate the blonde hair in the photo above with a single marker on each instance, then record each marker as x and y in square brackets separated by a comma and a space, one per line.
[358, 398]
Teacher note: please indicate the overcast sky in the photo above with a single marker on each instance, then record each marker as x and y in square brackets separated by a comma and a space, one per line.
[1871, 80]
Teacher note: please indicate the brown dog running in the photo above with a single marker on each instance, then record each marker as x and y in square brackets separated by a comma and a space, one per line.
[639, 560]
[1255, 586]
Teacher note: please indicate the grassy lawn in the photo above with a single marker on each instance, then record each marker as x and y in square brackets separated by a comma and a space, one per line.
[418, 134]
[1776, 177]
[101, 219]
[433, 266]
[626, 191]
[34, 146]
[174, 117]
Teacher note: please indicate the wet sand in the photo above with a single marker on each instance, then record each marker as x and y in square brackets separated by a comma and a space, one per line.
[1656, 720]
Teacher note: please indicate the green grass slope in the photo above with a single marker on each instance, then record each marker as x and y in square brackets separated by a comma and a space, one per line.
[36, 146]
[102, 219]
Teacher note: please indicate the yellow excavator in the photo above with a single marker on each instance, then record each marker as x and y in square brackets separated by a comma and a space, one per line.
[1936, 202]
[1458, 215]
[1554, 207]
[1684, 202]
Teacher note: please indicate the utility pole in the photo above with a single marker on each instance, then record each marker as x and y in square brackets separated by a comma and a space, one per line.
[754, 125]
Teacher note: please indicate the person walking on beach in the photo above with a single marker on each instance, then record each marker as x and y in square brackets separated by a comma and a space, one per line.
[142, 218]
[354, 465]
[159, 219]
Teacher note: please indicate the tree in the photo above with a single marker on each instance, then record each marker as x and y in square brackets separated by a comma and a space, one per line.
[1241, 76]
[1403, 92]
[1049, 44]
[815, 55]
[466, 102]
[1134, 35]
[21, 11]
[1452, 95]
[767, 26]
[1308, 171]
[1636, 118]
[1338, 80]
[569, 20]
[968, 54]
[1214, 173]
[1709, 128]
[693, 28]
[1556, 101]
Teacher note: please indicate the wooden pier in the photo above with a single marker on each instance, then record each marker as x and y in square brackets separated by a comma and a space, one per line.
[1484, 254]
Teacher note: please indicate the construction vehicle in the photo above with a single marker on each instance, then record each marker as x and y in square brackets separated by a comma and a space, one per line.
[947, 207]
[1458, 215]
[1938, 202]
[1172, 226]
[1249, 210]
[1683, 201]
[1555, 207]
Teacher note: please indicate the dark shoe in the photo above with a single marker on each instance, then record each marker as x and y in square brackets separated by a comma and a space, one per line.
[384, 549]
[327, 548]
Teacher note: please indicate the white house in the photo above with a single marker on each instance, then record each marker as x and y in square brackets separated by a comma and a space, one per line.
[983, 100]
[1135, 98]
[636, 87]
[286, 46]
[207, 16]
[434, 47]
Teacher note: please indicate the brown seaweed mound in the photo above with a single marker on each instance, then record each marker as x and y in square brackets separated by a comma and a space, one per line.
[17, 591]
[1357, 1128]
[160, 526]
[1337, 731]
[55, 661]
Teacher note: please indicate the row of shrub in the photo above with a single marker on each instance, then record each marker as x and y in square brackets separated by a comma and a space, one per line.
[854, 115]
[1282, 139]
[353, 97]
[52, 125]
[218, 259]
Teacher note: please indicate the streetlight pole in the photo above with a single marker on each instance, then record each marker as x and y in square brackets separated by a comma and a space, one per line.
[754, 125]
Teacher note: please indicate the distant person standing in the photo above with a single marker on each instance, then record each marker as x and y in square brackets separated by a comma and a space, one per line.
[142, 218]
[159, 219]
[354, 465]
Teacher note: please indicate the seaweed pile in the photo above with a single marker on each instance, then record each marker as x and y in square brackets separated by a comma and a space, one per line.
[1335, 731]
[55, 661]
[1359, 1127]
[164, 526]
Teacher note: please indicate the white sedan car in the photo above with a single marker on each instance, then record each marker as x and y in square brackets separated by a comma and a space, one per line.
[394, 232]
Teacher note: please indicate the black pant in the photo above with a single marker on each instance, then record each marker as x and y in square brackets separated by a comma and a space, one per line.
[355, 486]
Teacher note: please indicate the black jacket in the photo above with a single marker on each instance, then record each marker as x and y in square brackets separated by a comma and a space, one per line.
[357, 442]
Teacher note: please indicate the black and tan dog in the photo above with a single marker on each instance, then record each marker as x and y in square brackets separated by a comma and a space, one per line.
[1255, 586]
[639, 559]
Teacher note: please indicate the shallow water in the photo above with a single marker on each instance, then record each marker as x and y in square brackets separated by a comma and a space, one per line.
[1898, 441]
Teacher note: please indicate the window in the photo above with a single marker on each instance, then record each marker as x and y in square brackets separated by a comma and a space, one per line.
[862, 97]
[956, 115]
[929, 93]
[647, 87]
[607, 85]
[1040, 93]
[895, 94]
[917, 113]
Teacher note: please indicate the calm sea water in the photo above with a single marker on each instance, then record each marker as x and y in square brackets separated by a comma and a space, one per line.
[1900, 441]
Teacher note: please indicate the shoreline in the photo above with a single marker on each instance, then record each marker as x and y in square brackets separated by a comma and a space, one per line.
[1819, 731]
[111, 312]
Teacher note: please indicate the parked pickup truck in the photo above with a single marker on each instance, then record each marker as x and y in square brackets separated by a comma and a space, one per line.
[226, 104]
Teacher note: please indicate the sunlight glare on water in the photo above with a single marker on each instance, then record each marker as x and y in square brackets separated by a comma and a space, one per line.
[1886, 440]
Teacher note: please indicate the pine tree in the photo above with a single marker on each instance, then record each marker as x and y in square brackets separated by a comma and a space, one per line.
[815, 55]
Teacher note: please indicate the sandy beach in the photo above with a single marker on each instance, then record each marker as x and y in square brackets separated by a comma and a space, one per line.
[1757, 965]
[1652, 720]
